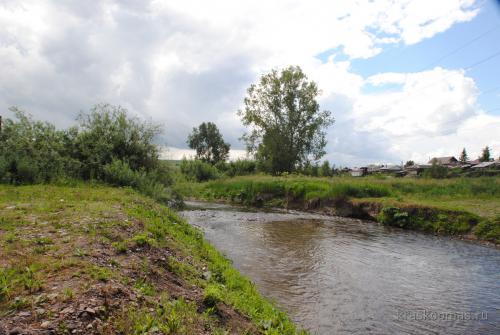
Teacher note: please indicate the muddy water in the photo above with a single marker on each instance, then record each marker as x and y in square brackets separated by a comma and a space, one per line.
[343, 276]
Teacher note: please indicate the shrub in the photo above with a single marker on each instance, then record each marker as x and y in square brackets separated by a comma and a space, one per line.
[108, 145]
[436, 171]
[489, 230]
[119, 173]
[196, 170]
[393, 216]
[240, 167]
[107, 133]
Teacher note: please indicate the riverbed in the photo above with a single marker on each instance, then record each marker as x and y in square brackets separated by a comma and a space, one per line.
[343, 276]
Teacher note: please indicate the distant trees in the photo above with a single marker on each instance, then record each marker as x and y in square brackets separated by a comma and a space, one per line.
[409, 163]
[287, 128]
[463, 157]
[485, 155]
[208, 143]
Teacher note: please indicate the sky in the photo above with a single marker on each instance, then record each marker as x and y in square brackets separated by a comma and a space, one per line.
[404, 80]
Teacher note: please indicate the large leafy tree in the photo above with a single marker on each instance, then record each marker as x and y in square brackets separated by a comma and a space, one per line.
[287, 128]
[208, 143]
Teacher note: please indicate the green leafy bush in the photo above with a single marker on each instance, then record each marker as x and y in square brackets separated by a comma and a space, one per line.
[108, 145]
[489, 230]
[240, 167]
[196, 170]
[393, 216]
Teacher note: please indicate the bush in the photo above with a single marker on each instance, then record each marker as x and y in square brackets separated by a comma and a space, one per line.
[436, 171]
[32, 151]
[108, 145]
[153, 184]
[240, 167]
[489, 230]
[393, 216]
[196, 170]
[107, 133]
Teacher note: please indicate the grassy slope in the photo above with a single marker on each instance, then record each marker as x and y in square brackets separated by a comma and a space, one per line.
[100, 260]
[452, 205]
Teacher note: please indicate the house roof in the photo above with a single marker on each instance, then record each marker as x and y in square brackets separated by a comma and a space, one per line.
[444, 160]
[391, 168]
[484, 164]
[417, 167]
[474, 162]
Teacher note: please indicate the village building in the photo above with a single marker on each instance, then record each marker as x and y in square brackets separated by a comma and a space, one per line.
[417, 169]
[486, 165]
[359, 172]
[449, 161]
[392, 169]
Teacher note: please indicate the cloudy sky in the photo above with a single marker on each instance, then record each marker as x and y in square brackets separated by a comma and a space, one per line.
[404, 79]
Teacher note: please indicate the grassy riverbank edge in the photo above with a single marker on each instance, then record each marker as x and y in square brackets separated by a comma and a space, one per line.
[92, 259]
[424, 205]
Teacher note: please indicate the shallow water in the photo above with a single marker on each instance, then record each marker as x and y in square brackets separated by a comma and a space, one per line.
[343, 276]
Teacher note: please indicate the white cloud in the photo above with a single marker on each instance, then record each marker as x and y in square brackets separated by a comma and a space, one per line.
[173, 153]
[185, 62]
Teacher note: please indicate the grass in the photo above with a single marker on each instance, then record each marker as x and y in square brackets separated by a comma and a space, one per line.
[444, 206]
[95, 235]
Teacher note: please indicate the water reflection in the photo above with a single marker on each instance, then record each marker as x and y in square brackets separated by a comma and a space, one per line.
[344, 276]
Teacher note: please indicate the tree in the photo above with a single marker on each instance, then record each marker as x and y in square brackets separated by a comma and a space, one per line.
[409, 163]
[463, 157]
[287, 128]
[486, 155]
[325, 170]
[436, 170]
[208, 143]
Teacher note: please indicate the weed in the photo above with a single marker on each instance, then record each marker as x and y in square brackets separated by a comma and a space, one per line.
[212, 295]
[10, 238]
[68, 294]
[19, 303]
[100, 273]
[143, 239]
[120, 247]
[80, 252]
[145, 288]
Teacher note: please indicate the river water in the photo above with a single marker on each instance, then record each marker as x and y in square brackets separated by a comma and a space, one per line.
[343, 276]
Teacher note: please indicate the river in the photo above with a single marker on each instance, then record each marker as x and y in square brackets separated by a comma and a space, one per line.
[344, 276]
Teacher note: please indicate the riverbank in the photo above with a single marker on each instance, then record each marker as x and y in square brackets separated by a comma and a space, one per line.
[466, 208]
[91, 259]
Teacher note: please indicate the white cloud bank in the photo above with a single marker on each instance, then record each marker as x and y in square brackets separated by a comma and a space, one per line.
[184, 62]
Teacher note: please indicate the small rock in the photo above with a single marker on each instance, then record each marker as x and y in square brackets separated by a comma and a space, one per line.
[24, 314]
[67, 310]
[207, 275]
[90, 310]
[40, 311]
[16, 331]
[46, 325]
[52, 296]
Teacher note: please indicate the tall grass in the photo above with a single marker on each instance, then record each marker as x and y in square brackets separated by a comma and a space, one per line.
[247, 189]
